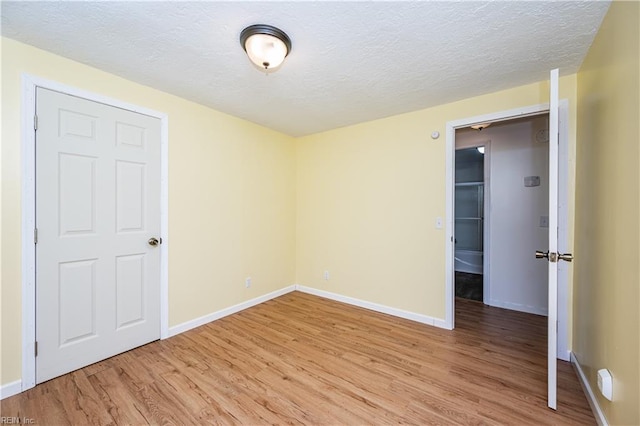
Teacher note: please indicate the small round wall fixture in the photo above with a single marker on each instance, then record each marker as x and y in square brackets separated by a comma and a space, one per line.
[266, 46]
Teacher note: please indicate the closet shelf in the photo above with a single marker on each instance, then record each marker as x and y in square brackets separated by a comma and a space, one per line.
[469, 183]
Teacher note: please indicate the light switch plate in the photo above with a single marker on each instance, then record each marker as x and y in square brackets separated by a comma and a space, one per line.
[544, 221]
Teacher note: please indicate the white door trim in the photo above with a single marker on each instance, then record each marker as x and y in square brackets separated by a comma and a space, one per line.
[29, 85]
[563, 290]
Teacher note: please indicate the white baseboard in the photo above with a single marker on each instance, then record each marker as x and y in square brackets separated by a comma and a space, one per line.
[591, 397]
[424, 319]
[518, 307]
[10, 389]
[197, 322]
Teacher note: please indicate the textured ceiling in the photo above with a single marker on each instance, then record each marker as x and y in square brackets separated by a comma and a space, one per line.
[351, 61]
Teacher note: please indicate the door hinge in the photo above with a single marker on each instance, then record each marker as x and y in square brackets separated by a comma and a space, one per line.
[35, 348]
[35, 236]
[35, 122]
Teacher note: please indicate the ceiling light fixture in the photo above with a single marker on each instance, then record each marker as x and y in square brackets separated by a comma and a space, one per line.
[266, 46]
[480, 126]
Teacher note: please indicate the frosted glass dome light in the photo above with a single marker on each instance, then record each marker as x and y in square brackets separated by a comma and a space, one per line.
[266, 46]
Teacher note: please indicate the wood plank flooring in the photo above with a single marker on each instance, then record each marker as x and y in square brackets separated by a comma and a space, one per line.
[301, 359]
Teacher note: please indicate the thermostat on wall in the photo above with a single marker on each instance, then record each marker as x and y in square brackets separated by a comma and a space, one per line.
[530, 181]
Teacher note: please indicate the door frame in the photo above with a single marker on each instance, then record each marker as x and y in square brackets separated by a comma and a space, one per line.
[29, 85]
[563, 217]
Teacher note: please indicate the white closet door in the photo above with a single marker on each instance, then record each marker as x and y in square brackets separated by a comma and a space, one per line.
[97, 213]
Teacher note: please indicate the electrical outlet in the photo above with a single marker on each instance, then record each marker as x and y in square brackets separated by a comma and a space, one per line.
[544, 221]
[326, 275]
[605, 383]
[247, 282]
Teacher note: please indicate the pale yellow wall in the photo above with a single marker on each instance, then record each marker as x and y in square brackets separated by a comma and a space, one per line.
[368, 197]
[231, 197]
[359, 201]
[606, 324]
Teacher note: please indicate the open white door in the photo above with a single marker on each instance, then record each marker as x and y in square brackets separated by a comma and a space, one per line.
[552, 333]
[552, 254]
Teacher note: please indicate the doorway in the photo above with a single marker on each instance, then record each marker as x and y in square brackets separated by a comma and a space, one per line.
[454, 140]
[469, 222]
[516, 197]
[31, 86]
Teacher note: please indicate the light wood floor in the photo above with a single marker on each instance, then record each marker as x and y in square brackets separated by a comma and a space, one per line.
[301, 359]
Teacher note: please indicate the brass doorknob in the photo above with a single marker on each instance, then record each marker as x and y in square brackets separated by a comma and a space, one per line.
[153, 241]
[542, 254]
[567, 257]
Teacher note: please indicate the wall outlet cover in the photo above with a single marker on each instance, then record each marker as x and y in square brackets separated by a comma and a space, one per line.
[605, 383]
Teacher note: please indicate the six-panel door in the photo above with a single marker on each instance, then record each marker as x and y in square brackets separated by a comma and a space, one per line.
[97, 205]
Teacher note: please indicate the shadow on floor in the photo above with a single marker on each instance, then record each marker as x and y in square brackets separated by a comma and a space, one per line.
[469, 286]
